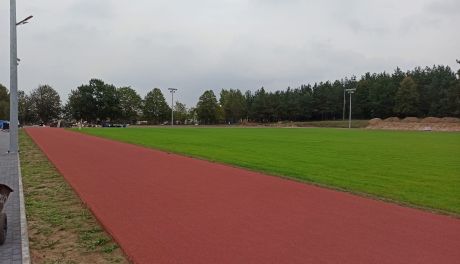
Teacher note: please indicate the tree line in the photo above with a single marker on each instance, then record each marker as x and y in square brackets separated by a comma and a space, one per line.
[430, 91]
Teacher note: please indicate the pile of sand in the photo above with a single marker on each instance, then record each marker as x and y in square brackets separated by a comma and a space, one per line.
[375, 121]
[450, 120]
[414, 123]
[410, 120]
[431, 120]
[392, 119]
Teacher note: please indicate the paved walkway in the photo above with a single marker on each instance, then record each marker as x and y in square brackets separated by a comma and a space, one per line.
[16, 249]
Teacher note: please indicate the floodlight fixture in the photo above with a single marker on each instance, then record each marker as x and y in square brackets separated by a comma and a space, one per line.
[172, 91]
[350, 91]
[24, 21]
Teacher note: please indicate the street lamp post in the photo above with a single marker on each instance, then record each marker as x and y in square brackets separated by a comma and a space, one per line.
[350, 91]
[172, 91]
[344, 103]
[14, 120]
[13, 80]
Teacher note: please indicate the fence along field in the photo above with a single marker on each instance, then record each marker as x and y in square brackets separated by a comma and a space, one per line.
[416, 168]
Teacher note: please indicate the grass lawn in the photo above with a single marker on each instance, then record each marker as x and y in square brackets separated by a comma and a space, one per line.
[61, 228]
[417, 168]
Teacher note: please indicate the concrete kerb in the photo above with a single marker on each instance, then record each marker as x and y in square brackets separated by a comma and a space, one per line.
[24, 229]
[16, 248]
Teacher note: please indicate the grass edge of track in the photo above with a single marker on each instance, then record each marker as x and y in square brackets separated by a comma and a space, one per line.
[56, 215]
[291, 178]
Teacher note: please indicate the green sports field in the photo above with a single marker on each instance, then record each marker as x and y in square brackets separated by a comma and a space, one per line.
[417, 168]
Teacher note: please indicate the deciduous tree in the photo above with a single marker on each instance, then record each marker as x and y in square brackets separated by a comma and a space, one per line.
[130, 104]
[45, 103]
[233, 105]
[180, 112]
[207, 108]
[156, 110]
[4, 103]
[26, 114]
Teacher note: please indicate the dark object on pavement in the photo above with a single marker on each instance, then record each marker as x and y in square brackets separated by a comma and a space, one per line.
[4, 193]
[4, 125]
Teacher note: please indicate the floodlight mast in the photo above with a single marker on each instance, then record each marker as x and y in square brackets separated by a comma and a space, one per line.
[350, 91]
[172, 91]
[344, 104]
[14, 120]
[13, 81]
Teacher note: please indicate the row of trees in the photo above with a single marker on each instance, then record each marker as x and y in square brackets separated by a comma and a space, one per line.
[41, 105]
[97, 102]
[430, 91]
[421, 92]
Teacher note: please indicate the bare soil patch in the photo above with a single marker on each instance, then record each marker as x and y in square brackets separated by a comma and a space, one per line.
[414, 123]
[410, 120]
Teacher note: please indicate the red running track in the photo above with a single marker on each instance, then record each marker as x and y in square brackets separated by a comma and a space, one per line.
[165, 208]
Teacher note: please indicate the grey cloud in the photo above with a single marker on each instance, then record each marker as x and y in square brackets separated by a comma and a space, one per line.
[444, 7]
[362, 27]
[100, 9]
[208, 44]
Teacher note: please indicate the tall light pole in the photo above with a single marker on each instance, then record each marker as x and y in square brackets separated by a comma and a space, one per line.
[14, 120]
[350, 91]
[344, 103]
[172, 91]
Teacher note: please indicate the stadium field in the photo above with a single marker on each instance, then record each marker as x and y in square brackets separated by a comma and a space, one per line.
[420, 169]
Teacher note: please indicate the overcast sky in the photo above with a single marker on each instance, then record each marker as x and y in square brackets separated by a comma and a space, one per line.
[213, 44]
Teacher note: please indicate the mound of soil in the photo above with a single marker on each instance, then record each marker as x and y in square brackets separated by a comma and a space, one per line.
[431, 120]
[413, 123]
[410, 120]
[450, 120]
[375, 121]
[392, 119]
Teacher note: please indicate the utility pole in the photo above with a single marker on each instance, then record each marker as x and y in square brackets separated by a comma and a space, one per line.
[13, 80]
[344, 103]
[172, 91]
[14, 120]
[350, 91]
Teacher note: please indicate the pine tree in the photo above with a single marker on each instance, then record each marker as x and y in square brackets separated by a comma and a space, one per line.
[407, 98]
